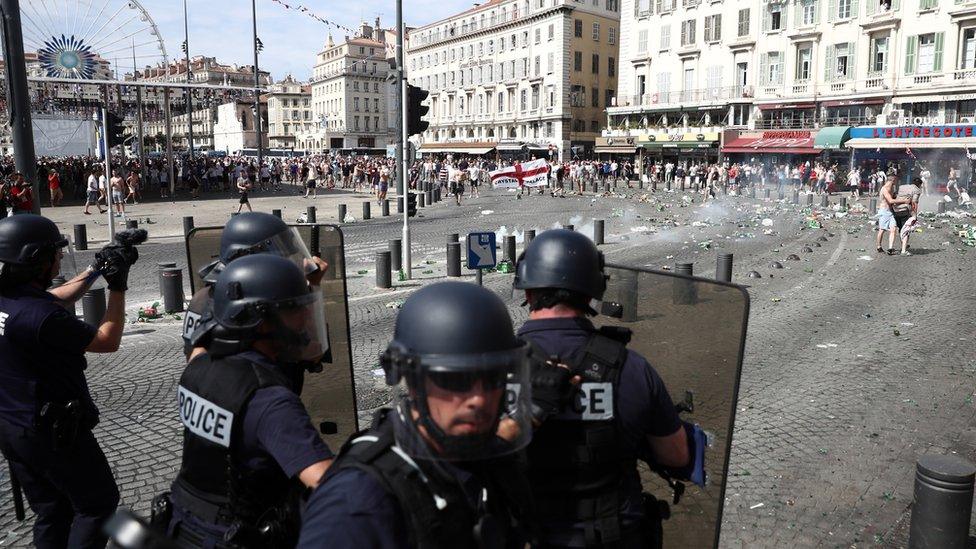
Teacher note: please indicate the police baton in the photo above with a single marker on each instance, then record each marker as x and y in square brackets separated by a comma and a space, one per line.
[17, 493]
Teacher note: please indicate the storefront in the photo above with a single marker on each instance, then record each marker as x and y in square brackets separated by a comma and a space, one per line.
[938, 148]
[830, 141]
[474, 148]
[772, 147]
[676, 146]
[616, 148]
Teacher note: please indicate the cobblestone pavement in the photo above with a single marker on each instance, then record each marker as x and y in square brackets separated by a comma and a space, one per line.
[856, 363]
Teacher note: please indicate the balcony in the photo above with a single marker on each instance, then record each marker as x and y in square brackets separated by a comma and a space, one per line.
[668, 98]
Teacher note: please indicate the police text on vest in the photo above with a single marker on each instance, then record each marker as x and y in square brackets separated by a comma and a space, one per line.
[3, 322]
[595, 401]
[204, 418]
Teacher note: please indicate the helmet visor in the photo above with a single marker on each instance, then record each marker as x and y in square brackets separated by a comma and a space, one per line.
[477, 409]
[301, 333]
[69, 263]
[287, 244]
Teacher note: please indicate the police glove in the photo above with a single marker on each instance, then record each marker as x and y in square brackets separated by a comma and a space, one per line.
[115, 269]
[552, 389]
[698, 442]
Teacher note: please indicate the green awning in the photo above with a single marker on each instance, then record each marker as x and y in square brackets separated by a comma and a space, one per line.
[833, 137]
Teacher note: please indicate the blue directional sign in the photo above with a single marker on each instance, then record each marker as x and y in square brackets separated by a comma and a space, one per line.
[481, 250]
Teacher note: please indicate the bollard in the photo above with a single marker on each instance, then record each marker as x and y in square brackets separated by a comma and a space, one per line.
[454, 259]
[396, 254]
[365, 210]
[437, 194]
[752, 192]
[453, 237]
[682, 184]
[942, 503]
[723, 268]
[81, 236]
[315, 241]
[160, 267]
[59, 281]
[172, 290]
[627, 294]
[276, 212]
[509, 249]
[796, 198]
[809, 200]
[940, 209]
[568, 227]
[310, 214]
[873, 205]
[93, 306]
[384, 278]
[527, 237]
[187, 224]
[430, 196]
[824, 200]
[131, 223]
[598, 231]
[780, 194]
[640, 183]
[342, 213]
[667, 185]
[684, 292]
[422, 200]
[843, 203]
[385, 207]
[399, 204]
[766, 193]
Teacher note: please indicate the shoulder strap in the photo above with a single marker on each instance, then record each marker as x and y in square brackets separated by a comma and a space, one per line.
[601, 358]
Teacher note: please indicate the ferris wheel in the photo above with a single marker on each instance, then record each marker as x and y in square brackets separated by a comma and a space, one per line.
[90, 39]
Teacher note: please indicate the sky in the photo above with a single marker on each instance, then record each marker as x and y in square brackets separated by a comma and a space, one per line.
[222, 28]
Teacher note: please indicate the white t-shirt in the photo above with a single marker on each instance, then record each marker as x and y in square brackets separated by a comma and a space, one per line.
[92, 183]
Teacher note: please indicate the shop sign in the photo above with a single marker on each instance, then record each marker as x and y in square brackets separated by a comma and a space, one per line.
[787, 134]
[677, 136]
[903, 132]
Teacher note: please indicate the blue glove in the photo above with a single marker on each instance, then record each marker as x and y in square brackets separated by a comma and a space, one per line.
[697, 442]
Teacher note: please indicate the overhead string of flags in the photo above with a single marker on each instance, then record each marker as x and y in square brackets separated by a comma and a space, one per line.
[302, 9]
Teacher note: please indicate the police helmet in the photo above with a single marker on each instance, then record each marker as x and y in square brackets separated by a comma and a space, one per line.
[562, 259]
[28, 243]
[455, 341]
[254, 233]
[266, 296]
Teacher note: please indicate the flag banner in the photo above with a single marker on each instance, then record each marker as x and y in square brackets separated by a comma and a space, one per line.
[534, 173]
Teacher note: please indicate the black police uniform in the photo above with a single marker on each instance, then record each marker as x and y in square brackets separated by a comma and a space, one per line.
[195, 310]
[46, 418]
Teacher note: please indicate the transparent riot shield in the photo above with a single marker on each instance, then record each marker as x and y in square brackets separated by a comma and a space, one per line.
[329, 395]
[692, 331]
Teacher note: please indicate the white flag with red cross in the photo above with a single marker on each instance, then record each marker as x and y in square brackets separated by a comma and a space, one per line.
[534, 173]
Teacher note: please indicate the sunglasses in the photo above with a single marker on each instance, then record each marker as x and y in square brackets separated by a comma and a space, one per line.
[463, 382]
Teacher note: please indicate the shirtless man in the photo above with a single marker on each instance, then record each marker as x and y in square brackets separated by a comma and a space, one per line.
[886, 216]
[133, 182]
[118, 193]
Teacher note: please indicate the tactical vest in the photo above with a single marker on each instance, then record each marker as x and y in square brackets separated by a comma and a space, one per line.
[195, 310]
[213, 397]
[577, 462]
[438, 513]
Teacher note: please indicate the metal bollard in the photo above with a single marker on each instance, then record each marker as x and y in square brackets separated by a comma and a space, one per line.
[766, 193]
[684, 292]
[454, 259]
[310, 214]
[873, 205]
[315, 241]
[399, 204]
[93, 306]
[628, 281]
[682, 184]
[187, 224]
[824, 200]
[568, 227]
[529, 235]
[809, 200]
[453, 237]
[509, 249]
[723, 268]
[384, 278]
[843, 203]
[941, 208]
[640, 183]
[160, 267]
[172, 290]
[342, 213]
[276, 212]
[81, 236]
[365, 210]
[796, 198]
[422, 200]
[942, 503]
[430, 197]
[437, 194]
[598, 231]
[131, 223]
[385, 207]
[396, 254]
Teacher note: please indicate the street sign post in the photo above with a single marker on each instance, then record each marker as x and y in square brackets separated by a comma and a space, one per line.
[481, 252]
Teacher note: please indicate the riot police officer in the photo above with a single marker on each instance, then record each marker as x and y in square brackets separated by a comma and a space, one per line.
[249, 447]
[46, 409]
[598, 413]
[247, 234]
[436, 471]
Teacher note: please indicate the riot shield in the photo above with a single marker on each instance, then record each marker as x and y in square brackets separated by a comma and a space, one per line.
[692, 331]
[329, 395]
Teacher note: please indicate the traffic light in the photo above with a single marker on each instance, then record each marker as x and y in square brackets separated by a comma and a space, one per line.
[416, 110]
[114, 129]
[411, 204]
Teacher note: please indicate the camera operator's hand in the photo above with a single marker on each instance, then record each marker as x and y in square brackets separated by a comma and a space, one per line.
[112, 262]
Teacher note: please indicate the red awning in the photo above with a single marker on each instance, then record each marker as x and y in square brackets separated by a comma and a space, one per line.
[759, 144]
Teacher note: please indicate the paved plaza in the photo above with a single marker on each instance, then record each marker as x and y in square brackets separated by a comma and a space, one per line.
[856, 363]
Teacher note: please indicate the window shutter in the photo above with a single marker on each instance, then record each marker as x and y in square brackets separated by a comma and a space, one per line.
[852, 60]
[717, 31]
[939, 43]
[830, 63]
[854, 12]
[797, 15]
[766, 18]
[831, 10]
[871, 7]
[895, 5]
[816, 11]
[708, 29]
[764, 69]
[910, 54]
[684, 27]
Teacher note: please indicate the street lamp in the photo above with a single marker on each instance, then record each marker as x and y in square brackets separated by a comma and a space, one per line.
[257, 83]
[189, 92]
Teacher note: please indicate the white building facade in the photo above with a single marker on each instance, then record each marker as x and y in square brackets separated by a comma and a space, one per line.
[535, 74]
[701, 66]
[289, 112]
